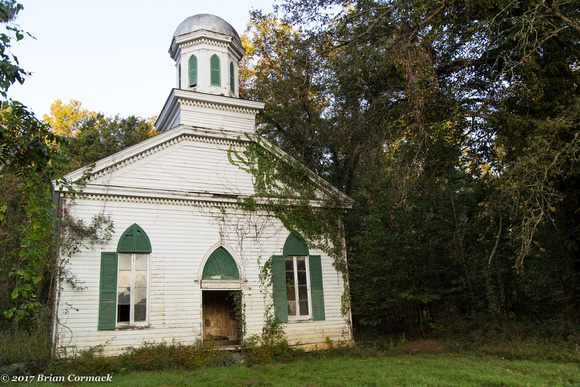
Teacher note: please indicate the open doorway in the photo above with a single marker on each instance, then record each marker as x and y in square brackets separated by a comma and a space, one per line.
[220, 324]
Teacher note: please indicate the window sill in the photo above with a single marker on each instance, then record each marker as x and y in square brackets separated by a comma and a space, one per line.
[131, 327]
[298, 321]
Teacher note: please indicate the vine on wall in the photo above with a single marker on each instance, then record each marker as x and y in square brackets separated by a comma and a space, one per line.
[307, 206]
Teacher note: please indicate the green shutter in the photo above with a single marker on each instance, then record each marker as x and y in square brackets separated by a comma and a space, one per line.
[232, 78]
[215, 76]
[295, 246]
[279, 281]
[220, 263]
[316, 290]
[192, 70]
[134, 240]
[108, 291]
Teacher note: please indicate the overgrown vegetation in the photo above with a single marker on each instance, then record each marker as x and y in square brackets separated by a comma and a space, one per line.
[489, 344]
[34, 156]
[454, 126]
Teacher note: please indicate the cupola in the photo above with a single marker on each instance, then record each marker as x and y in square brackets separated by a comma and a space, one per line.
[206, 50]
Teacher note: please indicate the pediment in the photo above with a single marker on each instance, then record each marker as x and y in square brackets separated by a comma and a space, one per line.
[184, 163]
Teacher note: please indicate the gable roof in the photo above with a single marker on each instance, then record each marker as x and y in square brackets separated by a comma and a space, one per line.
[103, 177]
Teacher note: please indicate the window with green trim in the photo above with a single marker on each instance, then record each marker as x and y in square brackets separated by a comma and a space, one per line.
[232, 78]
[297, 280]
[132, 289]
[192, 71]
[215, 72]
[124, 282]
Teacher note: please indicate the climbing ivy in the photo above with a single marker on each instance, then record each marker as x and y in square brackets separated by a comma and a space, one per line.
[306, 205]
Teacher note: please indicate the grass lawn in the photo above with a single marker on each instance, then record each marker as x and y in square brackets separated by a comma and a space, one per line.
[396, 370]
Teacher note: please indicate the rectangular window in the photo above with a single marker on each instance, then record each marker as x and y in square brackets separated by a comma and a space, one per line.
[132, 289]
[297, 287]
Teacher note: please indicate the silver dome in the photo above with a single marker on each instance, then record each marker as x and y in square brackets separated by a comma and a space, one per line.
[205, 21]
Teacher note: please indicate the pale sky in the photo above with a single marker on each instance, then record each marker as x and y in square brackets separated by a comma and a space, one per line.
[112, 55]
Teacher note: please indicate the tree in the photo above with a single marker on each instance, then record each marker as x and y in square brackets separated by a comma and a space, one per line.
[98, 137]
[29, 157]
[10, 71]
[65, 120]
[455, 126]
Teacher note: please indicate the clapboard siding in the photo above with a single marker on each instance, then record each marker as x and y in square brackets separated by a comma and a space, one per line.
[218, 119]
[188, 167]
[182, 236]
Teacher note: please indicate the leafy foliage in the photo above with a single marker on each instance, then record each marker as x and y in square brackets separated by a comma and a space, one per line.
[10, 71]
[454, 125]
[65, 120]
[33, 156]
[99, 136]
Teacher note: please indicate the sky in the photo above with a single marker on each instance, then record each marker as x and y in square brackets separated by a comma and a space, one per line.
[111, 55]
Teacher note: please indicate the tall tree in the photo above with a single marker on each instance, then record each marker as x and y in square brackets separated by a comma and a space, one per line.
[65, 120]
[29, 157]
[455, 126]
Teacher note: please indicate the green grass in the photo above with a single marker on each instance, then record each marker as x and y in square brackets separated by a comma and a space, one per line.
[380, 370]
[478, 357]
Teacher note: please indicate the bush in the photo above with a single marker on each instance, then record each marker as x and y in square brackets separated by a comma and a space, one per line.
[24, 352]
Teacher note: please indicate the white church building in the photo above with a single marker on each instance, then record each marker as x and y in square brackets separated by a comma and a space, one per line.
[185, 255]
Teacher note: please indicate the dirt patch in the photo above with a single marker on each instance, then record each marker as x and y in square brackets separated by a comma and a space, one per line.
[421, 346]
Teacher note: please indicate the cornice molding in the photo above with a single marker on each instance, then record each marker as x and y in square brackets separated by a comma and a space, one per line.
[217, 106]
[166, 201]
[204, 40]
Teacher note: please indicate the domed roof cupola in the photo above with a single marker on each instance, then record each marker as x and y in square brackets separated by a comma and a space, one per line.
[207, 50]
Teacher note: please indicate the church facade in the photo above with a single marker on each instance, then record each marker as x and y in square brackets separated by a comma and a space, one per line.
[185, 257]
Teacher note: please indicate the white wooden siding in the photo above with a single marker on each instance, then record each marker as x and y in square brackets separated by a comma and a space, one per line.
[181, 236]
[188, 166]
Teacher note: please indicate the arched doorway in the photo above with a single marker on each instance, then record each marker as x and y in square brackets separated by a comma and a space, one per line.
[221, 299]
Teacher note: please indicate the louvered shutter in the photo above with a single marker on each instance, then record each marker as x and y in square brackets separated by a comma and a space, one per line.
[134, 240]
[108, 291]
[215, 76]
[192, 70]
[279, 281]
[295, 246]
[232, 79]
[220, 264]
[316, 290]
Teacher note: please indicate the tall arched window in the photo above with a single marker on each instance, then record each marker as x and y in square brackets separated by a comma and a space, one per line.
[192, 71]
[297, 281]
[215, 75]
[232, 78]
[124, 284]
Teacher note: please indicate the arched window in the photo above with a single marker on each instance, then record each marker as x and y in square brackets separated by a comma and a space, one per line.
[192, 71]
[215, 73]
[297, 281]
[124, 286]
[232, 78]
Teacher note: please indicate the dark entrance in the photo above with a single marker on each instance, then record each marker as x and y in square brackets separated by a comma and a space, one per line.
[219, 317]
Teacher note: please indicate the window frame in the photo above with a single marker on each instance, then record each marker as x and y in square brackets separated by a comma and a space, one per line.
[133, 241]
[132, 303]
[297, 316]
[295, 246]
